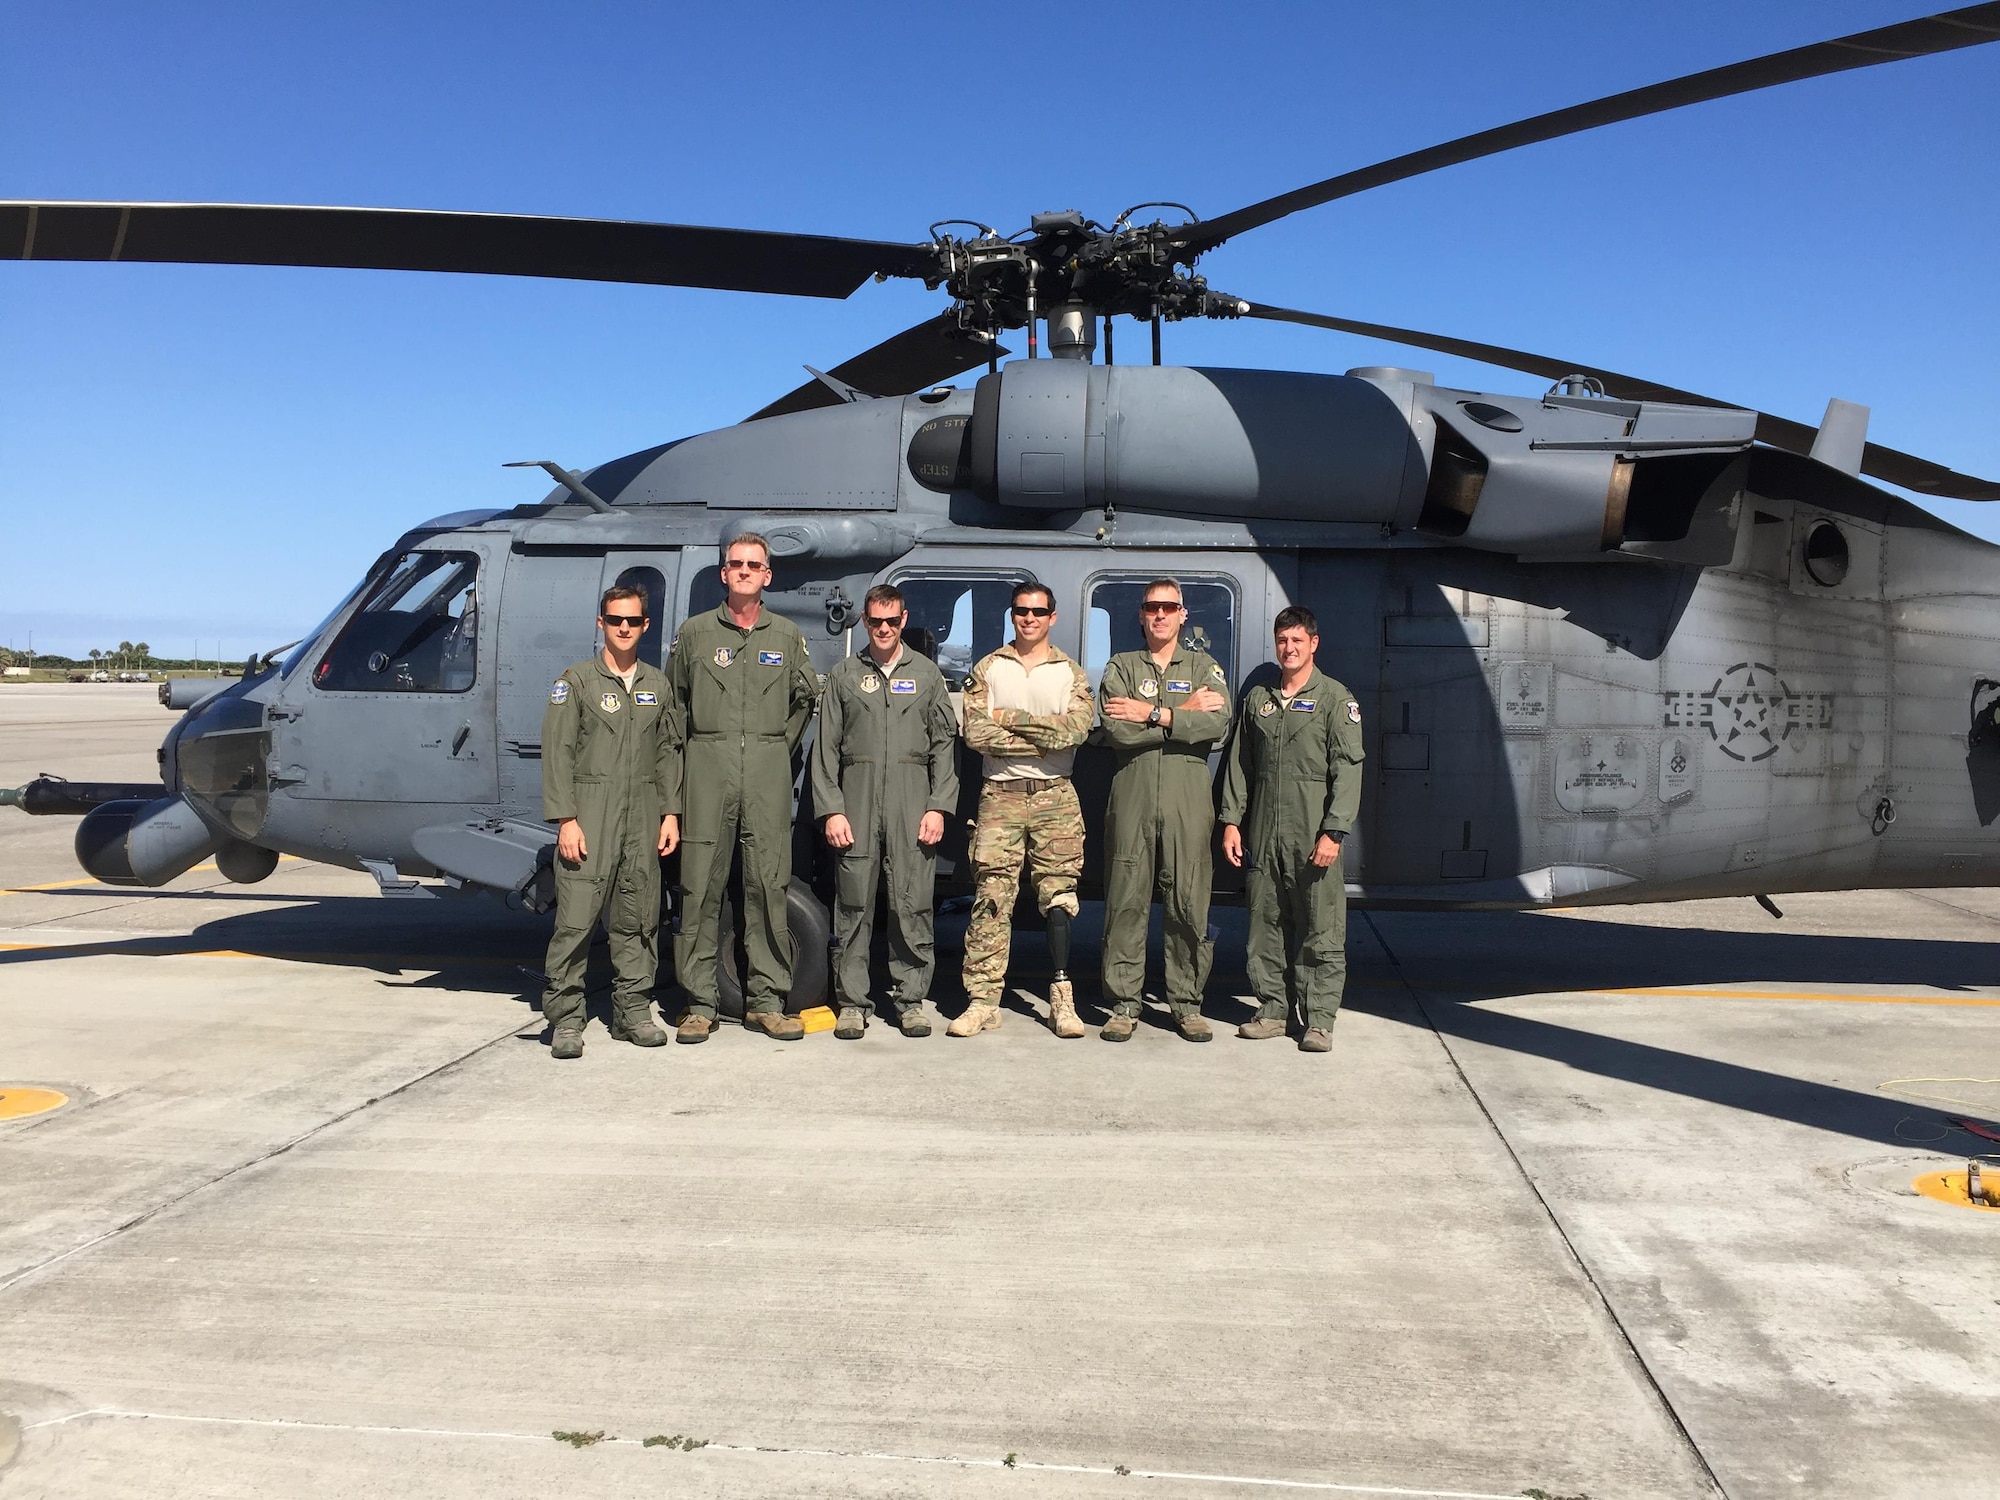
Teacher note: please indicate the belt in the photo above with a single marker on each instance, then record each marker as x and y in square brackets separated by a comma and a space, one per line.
[1017, 783]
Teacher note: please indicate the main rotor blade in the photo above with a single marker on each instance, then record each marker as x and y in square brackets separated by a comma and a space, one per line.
[400, 239]
[1877, 462]
[933, 351]
[1946, 32]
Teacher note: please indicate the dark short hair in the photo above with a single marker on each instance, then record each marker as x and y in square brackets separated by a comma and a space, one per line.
[1031, 587]
[884, 593]
[619, 591]
[1295, 615]
[1165, 583]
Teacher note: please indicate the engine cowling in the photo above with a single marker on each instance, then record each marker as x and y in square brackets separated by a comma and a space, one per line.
[1541, 476]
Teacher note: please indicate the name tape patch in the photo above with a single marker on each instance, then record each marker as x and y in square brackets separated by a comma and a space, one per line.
[902, 684]
[1176, 686]
[646, 700]
[770, 658]
[1304, 705]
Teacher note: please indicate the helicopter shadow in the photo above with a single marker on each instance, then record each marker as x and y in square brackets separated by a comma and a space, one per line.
[469, 945]
[1448, 963]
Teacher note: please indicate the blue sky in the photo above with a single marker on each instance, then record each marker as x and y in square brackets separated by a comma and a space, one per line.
[197, 453]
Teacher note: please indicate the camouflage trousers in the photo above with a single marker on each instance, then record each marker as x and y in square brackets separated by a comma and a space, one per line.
[1043, 823]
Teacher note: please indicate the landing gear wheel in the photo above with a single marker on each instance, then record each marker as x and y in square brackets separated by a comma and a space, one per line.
[810, 930]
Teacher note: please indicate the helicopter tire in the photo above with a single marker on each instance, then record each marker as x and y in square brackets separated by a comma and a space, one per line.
[811, 968]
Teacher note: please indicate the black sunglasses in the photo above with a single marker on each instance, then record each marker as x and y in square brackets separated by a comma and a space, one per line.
[1039, 611]
[872, 621]
[1160, 606]
[624, 622]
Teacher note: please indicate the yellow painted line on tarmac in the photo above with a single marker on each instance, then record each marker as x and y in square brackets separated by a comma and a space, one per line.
[67, 885]
[162, 948]
[1842, 997]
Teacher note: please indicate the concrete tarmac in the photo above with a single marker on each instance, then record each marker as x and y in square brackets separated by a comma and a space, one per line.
[1610, 1203]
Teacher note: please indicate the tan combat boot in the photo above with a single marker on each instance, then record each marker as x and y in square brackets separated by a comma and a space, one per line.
[1120, 1027]
[1062, 1010]
[775, 1024]
[1192, 1027]
[1262, 1028]
[1315, 1040]
[694, 1028]
[977, 1018]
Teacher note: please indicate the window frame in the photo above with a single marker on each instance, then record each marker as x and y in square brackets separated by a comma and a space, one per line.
[1225, 581]
[357, 612]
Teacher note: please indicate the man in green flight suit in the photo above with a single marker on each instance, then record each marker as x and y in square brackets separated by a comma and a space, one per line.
[1163, 708]
[885, 776]
[1294, 780]
[741, 690]
[604, 759]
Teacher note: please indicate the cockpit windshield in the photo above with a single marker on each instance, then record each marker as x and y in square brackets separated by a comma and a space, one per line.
[416, 632]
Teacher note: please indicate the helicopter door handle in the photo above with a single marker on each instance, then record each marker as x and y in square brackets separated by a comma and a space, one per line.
[458, 740]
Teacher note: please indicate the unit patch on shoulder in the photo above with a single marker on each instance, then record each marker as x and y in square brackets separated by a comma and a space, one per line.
[560, 692]
[724, 655]
[770, 658]
[1304, 705]
[1175, 685]
[871, 683]
[902, 684]
[1216, 673]
[611, 703]
[1266, 709]
[1353, 712]
[1149, 689]
[646, 700]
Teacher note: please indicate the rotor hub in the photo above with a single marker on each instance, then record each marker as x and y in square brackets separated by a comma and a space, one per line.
[1071, 270]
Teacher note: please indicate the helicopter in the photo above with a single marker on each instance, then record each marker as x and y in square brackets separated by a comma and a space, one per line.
[1615, 642]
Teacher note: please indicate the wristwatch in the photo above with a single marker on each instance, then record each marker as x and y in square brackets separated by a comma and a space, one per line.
[1153, 718]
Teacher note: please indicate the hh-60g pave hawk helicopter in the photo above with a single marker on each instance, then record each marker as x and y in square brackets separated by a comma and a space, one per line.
[1615, 643]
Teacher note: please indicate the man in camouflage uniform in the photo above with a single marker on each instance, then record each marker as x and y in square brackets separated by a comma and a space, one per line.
[1294, 781]
[604, 758]
[741, 692]
[1027, 708]
[1163, 708]
[885, 776]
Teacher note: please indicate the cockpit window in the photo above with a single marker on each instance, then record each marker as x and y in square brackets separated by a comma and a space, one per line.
[417, 631]
[308, 642]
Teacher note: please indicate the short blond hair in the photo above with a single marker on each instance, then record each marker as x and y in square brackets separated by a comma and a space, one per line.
[752, 538]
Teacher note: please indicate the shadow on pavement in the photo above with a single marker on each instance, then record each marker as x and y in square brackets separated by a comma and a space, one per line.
[1452, 961]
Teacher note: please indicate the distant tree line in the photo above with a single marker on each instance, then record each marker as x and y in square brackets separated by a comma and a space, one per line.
[126, 656]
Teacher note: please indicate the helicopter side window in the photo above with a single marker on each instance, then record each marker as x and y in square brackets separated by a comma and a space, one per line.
[417, 631]
[958, 619]
[1112, 624]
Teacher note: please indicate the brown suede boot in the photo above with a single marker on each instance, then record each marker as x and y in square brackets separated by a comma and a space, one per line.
[1262, 1028]
[775, 1024]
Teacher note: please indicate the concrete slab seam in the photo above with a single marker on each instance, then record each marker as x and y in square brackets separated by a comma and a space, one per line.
[1548, 1209]
[1318, 1485]
[300, 1139]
